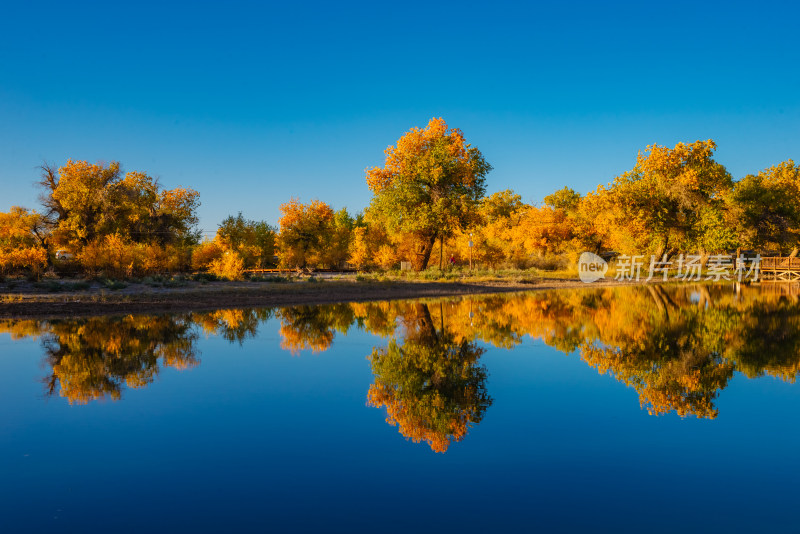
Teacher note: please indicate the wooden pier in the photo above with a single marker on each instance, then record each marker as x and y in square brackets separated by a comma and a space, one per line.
[786, 268]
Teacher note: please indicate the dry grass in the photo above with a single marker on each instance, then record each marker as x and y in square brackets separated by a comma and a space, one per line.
[464, 275]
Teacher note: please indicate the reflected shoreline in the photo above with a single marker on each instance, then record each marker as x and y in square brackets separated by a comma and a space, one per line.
[677, 346]
[30, 303]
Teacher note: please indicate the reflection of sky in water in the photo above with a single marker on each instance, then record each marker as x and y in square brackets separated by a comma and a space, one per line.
[253, 438]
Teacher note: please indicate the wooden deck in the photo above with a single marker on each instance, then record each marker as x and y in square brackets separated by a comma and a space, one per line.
[786, 268]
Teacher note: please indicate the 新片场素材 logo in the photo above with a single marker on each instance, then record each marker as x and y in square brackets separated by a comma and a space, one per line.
[591, 267]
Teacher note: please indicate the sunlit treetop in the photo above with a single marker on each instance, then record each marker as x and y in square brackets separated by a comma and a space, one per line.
[433, 154]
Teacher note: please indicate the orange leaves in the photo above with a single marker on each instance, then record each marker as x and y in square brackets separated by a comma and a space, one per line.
[30, 258]
[415, 426]
[181, 202]
[18, 225]
[91, 203]
[430, 186]
[229, 266]
[306, 233]
[294, 213]
[416, 152]
[378, 179]
[119, 257]
[668, 201]
[359, 249]
[386, 257]
[431, 384]
[22, 235]
[93, 358]
[685, 163]
[205, 253]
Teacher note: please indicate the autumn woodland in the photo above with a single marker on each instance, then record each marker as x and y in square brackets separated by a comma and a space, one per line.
[429, 203]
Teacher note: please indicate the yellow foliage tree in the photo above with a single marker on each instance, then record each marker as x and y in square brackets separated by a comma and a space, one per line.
[306, 232]
[23, 241]
[429, 186]
[359, 249]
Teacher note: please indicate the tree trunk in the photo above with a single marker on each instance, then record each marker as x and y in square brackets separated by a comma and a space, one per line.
[423, 255]
[424, 322]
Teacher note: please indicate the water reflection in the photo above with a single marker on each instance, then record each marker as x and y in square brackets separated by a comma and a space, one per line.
[233, 325]
[313, 327]
[676, 346]
[430, 383]
[91, 358]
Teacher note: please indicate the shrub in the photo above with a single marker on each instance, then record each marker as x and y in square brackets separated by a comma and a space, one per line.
[386, 257]
[204, 277]
[114, 285]
[229, 266]
[115, 257]
[269, 279]
[29, 259]
[50, 286]
[111, 256]
[549, 262]
[77, 286]
[156, 259]
[205, 254]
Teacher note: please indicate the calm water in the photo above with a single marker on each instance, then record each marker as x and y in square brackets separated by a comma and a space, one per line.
[654, 409]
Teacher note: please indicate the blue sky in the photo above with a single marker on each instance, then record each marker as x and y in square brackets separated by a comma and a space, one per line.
[254, 103]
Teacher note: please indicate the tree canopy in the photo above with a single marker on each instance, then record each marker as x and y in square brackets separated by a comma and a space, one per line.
[85, 202]
[430, 185]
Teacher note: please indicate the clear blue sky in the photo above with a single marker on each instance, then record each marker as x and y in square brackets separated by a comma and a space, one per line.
[253, 103]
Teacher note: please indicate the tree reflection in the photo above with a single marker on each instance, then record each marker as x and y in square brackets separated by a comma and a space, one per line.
[431, 383]
[767, 340]
[233, 325]
[313, 327]
[92, 358]
[676, 346]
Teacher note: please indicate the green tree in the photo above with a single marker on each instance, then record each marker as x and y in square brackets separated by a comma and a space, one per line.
[666, 203]
[21, 227]
[306, 233]
[253, 241]
[565, 199]
[84, 202]
[430, 186]
[500, 205]
[765, 208]
[343, 226]
[24, 235]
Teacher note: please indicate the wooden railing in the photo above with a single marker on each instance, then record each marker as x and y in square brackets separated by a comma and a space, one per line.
[781, 267]
[297, 271]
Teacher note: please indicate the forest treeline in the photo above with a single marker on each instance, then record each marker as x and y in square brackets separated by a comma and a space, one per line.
[429, 203]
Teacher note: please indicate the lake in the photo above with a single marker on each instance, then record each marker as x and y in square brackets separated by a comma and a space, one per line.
[627, 409]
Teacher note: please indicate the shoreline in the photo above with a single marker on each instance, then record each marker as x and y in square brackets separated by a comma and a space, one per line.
[193, 296]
